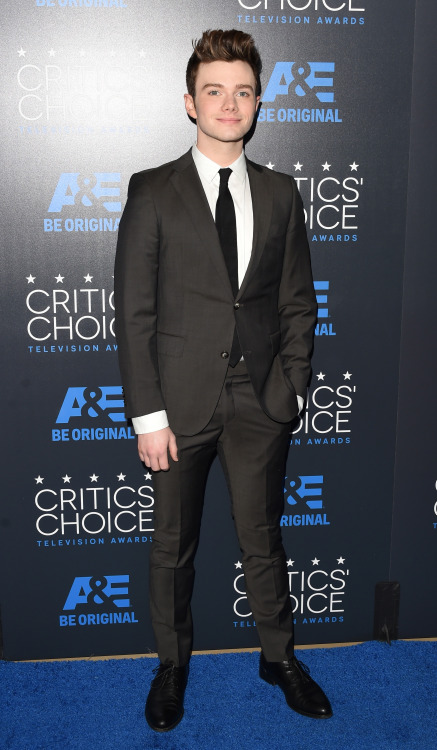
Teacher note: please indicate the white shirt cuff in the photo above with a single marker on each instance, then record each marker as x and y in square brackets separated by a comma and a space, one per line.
[157, 420]
[300, 403]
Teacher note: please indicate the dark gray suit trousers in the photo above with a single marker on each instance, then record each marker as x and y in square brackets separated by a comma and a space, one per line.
[252, 449]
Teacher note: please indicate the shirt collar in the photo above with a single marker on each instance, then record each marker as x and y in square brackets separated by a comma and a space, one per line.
[209, 169]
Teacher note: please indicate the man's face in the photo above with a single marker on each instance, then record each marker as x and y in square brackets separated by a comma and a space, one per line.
[225, 102]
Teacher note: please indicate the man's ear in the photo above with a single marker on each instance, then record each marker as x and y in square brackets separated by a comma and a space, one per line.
[189, 106]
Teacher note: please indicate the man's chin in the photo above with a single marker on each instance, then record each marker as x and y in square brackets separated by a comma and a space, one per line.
[232, 135]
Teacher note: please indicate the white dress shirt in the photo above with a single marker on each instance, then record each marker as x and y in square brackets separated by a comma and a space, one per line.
[239, 187]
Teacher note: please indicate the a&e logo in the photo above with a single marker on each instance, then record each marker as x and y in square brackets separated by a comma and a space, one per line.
[84, 403]
[94, 592]
[308, 490]
[92, 402]
[323, 328]
[74, 189]
[304, 78]
[98, 192]
[313, 85]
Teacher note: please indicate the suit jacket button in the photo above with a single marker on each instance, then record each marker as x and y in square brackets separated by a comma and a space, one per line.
[224, 355]
[237, 306]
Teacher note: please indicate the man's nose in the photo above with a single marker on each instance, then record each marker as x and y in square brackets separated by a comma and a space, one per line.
[230, 103]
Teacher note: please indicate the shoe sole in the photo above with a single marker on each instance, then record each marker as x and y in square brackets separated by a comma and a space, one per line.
[263, 673]
[166, 729]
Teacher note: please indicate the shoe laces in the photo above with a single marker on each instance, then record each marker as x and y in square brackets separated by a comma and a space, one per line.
[163, 674]
[301, 667]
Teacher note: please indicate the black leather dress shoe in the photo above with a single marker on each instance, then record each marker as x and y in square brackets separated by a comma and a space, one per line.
[301, 692]
[165, 702]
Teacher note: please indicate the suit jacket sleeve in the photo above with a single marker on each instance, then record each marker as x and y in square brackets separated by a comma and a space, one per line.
[297, 300]
[135, 287]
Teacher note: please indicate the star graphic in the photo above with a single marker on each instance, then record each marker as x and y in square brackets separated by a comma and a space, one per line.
[59, 279]
[21, 52]
[39, 479]
[315, 561]
[238, 564]
[94, 477]
[298, 166]
[66, 479]
[88, 279]
[148, 475]
[347, 375]
[51, 52]
[321, 376]
[142, 53]
[290, 563]
[326, 166]
[354, 166]
[121, 477]
[30, 279]
[340, 560]
[270, 165]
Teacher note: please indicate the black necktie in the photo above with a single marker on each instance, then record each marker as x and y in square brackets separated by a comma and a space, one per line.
[227, 227]
[226, 224]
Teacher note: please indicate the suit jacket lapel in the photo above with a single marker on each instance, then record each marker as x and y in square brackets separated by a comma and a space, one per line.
[262, 198]
[186, 181]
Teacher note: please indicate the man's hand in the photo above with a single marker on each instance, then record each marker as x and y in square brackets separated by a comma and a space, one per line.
[154, 447]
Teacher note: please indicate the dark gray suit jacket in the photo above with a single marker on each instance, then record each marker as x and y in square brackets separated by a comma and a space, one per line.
[175, 311]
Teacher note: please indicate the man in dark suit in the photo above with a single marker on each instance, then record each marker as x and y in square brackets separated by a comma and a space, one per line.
[215, 315]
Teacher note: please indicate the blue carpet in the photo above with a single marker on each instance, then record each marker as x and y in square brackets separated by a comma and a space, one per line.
[384, 698]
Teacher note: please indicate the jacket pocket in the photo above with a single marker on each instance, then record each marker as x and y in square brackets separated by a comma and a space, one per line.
[167, 343]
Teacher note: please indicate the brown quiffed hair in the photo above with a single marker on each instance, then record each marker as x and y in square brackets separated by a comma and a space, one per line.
[229, 45]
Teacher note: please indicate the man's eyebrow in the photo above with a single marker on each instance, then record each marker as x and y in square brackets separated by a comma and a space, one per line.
[221, 85]
[216, 85]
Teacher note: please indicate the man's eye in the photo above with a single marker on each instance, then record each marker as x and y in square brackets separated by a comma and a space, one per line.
[213, 92]
[243, 93]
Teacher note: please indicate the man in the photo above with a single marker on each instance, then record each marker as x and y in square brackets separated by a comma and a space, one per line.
[215, 314]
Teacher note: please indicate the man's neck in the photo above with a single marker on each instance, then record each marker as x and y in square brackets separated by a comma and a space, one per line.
[223, 154]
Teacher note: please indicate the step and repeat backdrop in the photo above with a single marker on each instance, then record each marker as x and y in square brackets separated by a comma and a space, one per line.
[92, 92]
